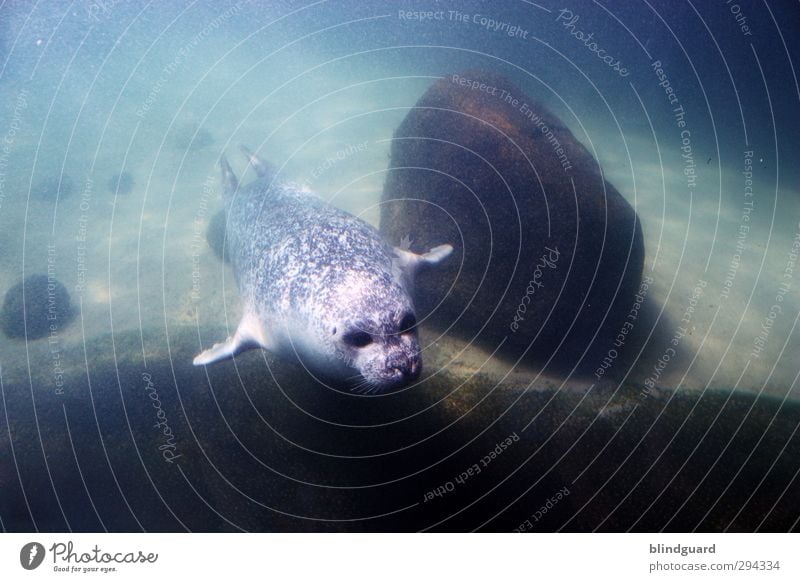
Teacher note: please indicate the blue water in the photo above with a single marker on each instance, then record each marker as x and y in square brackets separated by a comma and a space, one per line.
[676, 101]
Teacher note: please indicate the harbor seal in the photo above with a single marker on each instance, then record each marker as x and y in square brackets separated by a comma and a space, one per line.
[319, 285]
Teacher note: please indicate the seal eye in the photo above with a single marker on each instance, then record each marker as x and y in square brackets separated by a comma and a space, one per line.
[357, 339]
[408, 323]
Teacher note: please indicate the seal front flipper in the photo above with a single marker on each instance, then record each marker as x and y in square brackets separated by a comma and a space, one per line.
[248, 336]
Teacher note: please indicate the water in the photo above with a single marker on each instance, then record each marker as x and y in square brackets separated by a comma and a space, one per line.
[123, 109]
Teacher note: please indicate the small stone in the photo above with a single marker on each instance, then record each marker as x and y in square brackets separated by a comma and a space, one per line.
[44, 304]
[60, 187]
[121, 183]
[193, 138]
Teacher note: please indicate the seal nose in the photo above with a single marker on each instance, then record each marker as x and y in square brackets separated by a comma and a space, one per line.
[398, 361]
[401, 364]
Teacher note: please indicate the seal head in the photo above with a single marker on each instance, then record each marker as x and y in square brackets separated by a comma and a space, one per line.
[373, 330]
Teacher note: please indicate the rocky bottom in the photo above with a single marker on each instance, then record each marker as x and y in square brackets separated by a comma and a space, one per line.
[146, 441]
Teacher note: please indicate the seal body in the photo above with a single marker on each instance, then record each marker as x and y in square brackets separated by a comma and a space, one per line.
[319, 285]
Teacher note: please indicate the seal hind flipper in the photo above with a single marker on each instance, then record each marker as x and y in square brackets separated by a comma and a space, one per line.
[410, 262]
[248, 336]
[262, 168]
[406, 263]
[229, 181]
[437, 254]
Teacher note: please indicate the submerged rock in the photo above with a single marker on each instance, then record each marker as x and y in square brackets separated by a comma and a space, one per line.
[44, 302]
[192, 137]
[258, 445]
[55, 187]
[548, 255]
[121, 183]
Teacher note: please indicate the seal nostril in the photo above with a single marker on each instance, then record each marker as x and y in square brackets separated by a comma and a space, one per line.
[399, 364]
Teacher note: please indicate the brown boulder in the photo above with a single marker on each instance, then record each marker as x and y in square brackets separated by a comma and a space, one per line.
[548, 254]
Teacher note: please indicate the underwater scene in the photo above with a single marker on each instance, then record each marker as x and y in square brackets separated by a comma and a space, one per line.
[413, 265]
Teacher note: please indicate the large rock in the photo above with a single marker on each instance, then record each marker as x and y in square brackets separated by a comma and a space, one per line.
[548, 255]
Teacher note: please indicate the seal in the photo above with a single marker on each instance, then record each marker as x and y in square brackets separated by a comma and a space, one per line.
[319, 285]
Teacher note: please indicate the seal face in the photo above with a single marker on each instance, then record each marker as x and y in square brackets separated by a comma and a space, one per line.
[319, 285]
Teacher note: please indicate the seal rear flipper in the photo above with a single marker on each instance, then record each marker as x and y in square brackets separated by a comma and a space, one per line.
[248, 336]
[410, 262]
[262, 168]
[230, 184]
[436, 254]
